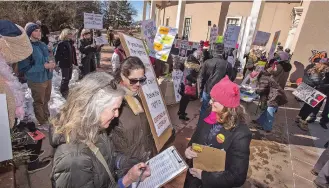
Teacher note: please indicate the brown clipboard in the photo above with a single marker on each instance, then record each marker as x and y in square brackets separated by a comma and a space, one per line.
[209, 159]
[164, 137]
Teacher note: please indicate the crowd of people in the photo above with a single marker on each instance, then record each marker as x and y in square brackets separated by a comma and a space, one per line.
[101, 135]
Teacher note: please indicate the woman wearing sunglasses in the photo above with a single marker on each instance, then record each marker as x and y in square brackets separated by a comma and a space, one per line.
[223, 128]
[131, 132]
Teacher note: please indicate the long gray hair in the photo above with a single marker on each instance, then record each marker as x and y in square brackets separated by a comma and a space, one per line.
[79, 118]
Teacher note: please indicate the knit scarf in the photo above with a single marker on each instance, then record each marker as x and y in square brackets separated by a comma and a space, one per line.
[132, 101]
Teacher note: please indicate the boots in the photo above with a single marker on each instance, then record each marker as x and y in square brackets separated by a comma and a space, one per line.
[297, 120]
[303, 125]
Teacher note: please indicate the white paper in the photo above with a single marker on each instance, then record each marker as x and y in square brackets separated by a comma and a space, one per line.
[213, 34]
[151, 89]
[274, 43]
[92, 21]
[177, 77]
[149, 31]
[164, 167]
[5, 140]
[261, 38]
[101, 40]
[309, 95]
[231, 36]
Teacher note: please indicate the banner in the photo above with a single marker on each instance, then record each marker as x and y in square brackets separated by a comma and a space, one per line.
[309, 95]
[5, 137]
[177, 77]
[101, 40]
[163, 42]
[213, 34]
[261, 38]
[273, 46]
[92, 21]
[149, 31]
[231, 36]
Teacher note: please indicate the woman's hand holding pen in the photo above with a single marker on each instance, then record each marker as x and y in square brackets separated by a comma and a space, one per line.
[135, 172]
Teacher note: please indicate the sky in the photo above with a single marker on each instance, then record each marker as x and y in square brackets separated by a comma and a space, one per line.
[138, 5]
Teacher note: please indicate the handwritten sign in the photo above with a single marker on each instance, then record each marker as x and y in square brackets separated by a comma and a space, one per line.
[163, 41]
[177, 77]
[149, 31]
[231, 36]
[153, 97]
[213, 34]
[309, 95]
[92, 21]
[274, 43]
[261, 38]
[101, 40]
[5, 140]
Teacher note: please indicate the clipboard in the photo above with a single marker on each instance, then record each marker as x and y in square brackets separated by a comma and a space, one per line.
[165, 167]
[209, 159]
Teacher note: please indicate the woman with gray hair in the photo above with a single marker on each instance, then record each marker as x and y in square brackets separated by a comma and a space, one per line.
[84, 154]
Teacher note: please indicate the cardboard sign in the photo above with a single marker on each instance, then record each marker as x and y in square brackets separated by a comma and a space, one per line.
[5, 138]
[209, 159]
[149, 31]
[177, 77]
[101, 40]
[309, 95]
[152, 99]
[231, 36]
[213, 34]
[163, 41]
[261, 38]
[273, 46]
[92, 21]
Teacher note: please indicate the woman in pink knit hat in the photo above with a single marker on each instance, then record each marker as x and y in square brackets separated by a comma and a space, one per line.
[223, 128]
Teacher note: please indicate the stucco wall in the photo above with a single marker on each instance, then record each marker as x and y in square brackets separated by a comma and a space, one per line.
[239, 9]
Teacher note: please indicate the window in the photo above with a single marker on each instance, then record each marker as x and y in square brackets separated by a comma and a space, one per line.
[187, 27]
[167, 21]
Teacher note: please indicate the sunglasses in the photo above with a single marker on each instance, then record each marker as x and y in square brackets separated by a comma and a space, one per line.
[135, 81]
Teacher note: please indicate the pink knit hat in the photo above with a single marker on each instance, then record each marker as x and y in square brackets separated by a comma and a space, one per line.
[226, 93]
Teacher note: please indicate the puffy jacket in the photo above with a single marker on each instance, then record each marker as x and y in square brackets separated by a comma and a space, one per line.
[33, 67]
[236, 144]
[213, 71]
[65, 54]
[317, 81]
[281, 73]
[76, 166]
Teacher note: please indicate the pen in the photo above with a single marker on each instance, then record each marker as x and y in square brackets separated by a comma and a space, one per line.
[140, 176]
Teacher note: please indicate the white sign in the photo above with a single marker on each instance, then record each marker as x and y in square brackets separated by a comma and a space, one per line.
[5, 140]
[213, 34]
[151, 89]
[230, 59]
[274, 43]
[163, 42]
[261, 38]
[231, 36]
[92, 21]
[149, 31]
[309, 95]
[101, 40]
[177, 77]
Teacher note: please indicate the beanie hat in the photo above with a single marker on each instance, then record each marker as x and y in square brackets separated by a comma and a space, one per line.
[30, 27]
[226, 93]
[14, 43]
[206, 45]
[284, 56]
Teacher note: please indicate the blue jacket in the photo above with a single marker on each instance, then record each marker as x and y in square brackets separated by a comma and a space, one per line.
[33, 66]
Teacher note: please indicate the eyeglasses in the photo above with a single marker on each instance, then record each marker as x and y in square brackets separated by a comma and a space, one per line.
[135, 81]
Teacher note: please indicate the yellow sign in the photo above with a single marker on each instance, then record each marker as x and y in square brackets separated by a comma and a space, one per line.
[167, 40]
[158, 46]
[164, 30]
[164, 57]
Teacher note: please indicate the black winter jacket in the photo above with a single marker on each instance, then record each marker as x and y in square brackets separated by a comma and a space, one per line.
[213, 70]
[318, 81]
[76, 166]
[236, 144]
[87, 52]
[65, 54]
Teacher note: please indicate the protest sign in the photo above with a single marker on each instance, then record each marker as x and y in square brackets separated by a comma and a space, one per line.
[152, 99]
[231, 36]
[230, 59]
[101, 40]
[213, 34]
[261, 38]
[149, 32]
[163, 41]
[5, 143]
[177, 77]
[274, 43]
[92, 21]
[309, 95]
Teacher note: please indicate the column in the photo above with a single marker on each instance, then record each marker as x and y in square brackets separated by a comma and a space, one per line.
[144, 10]
[152, 9]
[180, 17]
[297, 13]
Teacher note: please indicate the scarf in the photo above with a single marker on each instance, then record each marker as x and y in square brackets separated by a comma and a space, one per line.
[120, 53]
[133, 102]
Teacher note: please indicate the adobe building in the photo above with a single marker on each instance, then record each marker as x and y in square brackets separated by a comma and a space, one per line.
[304, 25]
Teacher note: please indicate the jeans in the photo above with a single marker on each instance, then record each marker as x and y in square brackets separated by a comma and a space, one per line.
[66, 77]
[266, 119]
[205, 102]
[98, 58]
